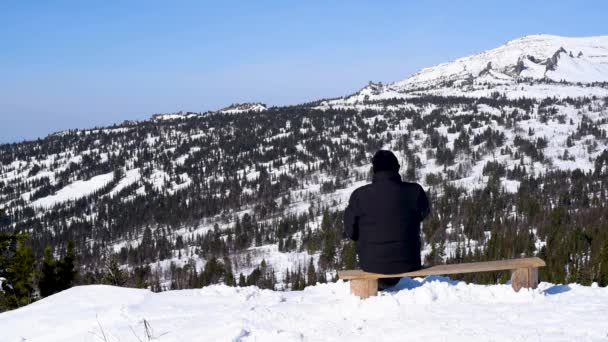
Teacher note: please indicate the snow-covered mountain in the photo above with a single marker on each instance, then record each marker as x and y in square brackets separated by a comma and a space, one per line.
[532, 66]
[235, 108]
[520, 128]
[535, 57]
[429, 309]
[244, 107]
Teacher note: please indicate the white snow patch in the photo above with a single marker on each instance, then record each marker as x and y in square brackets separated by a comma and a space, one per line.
[75, 190]
[431, 309]
[130, 177]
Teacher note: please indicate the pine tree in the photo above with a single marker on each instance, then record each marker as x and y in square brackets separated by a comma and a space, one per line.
[287, 278]
[66, 270]
[18, 288]
[212, 272]
[603, 269]
[348, 256]
[48, 274]
[328, 252]
[228, 275]
[113, 275]
[4, 219]
[312, 273]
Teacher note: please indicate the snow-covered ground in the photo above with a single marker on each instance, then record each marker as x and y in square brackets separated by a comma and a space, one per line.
[431, 309]
[75, 190]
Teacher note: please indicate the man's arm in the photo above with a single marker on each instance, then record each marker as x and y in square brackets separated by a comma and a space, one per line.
[351, 219]
[423, 205]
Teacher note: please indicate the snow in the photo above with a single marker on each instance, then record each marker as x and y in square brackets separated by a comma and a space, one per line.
[174, 116]
[130, 177]
[575, 69]
[158, 179]
[166, 117]
[243, 107]
[509, 69]
[591, 66]
[75, 190]
[186, 181]
[279, 261]
[431, 309]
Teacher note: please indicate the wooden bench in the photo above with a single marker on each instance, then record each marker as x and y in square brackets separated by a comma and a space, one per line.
[524, 274]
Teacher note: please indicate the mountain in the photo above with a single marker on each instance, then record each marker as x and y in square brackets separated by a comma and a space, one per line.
[532, 66]
[325, 312]
[535, 57]
[510, 145]
[243, 107]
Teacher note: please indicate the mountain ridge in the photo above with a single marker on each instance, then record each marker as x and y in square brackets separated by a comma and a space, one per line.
[548, 61]
[542, 48]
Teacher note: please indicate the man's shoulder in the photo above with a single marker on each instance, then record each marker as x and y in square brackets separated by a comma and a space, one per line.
[362, 189]
[356, 196]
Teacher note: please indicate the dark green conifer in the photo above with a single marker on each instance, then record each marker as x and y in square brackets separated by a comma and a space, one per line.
[66, 269]
[48, 274]
[312, 273]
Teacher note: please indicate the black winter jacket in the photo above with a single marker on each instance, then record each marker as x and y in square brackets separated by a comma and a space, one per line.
[384, 218]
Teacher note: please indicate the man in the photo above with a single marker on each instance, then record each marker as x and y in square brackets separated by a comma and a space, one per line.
[384, 219]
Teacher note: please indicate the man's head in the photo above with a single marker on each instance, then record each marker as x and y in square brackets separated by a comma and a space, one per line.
[385, 161]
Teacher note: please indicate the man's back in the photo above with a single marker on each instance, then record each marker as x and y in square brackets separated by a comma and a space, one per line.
[384, 218]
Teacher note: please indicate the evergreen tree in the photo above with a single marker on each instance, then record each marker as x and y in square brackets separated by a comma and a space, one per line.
[4, 219]
[113, 275]
[212, 272]
[228, 275]
[312, 273]
[328, 253]
[47, 283]
[348, 257]
[229, 279]
[17, 272]
[66, 269]
[603, 269]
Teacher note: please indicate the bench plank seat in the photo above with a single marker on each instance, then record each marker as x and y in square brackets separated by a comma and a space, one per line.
[473, 267]
[524, 273]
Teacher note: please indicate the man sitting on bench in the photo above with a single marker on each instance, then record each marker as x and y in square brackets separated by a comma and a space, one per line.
[384, 219]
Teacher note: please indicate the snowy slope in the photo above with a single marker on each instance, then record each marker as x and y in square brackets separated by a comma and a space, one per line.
[431, 309]
[75, 190]
[575, 60]
[534, 66]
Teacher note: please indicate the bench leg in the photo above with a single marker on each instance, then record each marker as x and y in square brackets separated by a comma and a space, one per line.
[364, 288]
[524, 278]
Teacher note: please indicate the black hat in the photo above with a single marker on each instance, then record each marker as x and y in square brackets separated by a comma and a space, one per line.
[385, 161]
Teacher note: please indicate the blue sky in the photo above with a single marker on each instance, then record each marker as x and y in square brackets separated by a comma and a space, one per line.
[80, 64]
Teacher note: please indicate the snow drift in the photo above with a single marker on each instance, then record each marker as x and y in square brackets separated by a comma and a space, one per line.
[431, 309]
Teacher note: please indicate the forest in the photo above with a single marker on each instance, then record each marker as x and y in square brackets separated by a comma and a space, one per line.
[210, 189]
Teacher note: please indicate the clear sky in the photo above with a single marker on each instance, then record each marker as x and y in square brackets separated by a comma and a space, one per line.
[78, 64]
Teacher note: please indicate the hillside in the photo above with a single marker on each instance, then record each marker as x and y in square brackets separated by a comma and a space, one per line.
[418, 309]
[513, 158]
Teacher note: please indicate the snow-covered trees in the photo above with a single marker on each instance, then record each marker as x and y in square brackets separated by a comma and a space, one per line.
[222, 185]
